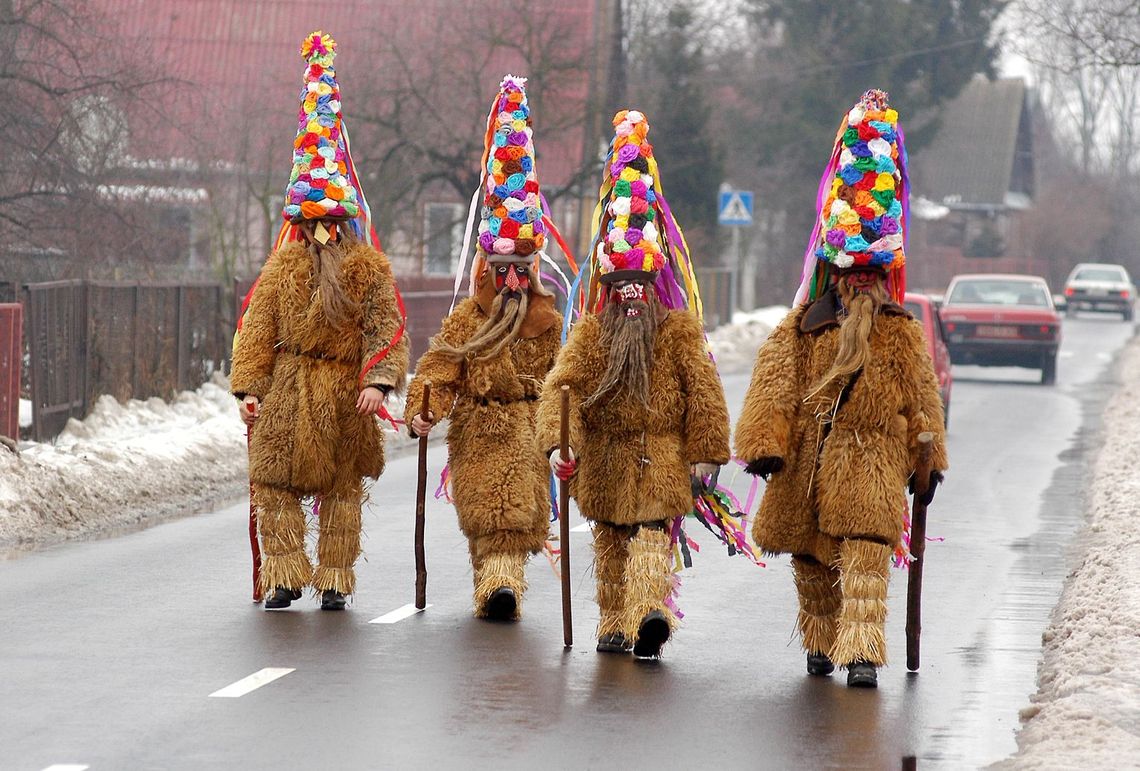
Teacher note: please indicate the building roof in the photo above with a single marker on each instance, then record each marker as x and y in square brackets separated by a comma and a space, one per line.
[232, 71]
[981, 156]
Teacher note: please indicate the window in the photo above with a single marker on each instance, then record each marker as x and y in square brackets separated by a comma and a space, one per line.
[999, 292]
[443, 237]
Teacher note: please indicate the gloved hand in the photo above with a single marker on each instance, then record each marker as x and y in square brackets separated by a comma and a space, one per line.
[764, 467]
[564, 470]
[936, 478]
[697, 474]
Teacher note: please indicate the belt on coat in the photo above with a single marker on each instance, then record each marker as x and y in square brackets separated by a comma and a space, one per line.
[486, 402]
[313, 355]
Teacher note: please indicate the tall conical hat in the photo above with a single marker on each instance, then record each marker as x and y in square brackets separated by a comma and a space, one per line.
[862, 205]
[319, 185]
[631, 247]
[510, 223]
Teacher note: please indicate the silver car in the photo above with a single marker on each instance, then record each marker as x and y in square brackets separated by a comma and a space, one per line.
[1100, 286]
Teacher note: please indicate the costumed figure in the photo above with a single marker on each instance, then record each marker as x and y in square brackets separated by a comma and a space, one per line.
[320, 346]
[840, 392]
[647, 411]
[487, 365]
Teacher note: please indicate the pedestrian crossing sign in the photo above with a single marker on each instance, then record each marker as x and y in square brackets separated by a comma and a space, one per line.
[735, 207]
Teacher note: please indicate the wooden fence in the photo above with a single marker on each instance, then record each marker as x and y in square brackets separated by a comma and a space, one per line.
[128, 339]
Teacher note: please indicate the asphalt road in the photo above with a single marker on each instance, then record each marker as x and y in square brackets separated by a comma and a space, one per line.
[110, 650]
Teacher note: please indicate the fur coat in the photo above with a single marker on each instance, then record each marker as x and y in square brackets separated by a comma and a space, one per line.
[307, 373]
[633, 460]
[500, 484]
[845, 478]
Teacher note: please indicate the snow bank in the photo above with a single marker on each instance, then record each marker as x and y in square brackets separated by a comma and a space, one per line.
[1086, 712]
[734, 345]
[126, 465]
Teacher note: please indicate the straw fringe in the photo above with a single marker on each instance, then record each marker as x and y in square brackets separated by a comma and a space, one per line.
[818, 588]
[863, 567]
[501, 570]
[281, 523]
[611, 551]
[647, 579]
[338, 544]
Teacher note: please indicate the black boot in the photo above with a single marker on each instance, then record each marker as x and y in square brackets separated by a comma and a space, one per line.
[651, 635]
[613, 643]
[862, 674]
[281, 598]
[819, 664]
[501, 605]
[331, 599]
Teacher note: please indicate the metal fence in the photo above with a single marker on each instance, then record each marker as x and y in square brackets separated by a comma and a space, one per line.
[128, 339]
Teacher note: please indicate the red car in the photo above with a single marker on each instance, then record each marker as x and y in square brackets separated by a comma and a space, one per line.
[924, 309]
[1002, 321]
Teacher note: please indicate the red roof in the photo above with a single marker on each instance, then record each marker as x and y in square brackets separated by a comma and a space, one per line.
[235, 72]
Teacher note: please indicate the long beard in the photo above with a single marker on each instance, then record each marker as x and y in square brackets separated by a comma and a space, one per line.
[855, 331]
[338, 307]
[499, 330]
[629, 340]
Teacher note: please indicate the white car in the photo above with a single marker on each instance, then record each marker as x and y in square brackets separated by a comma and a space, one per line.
[1100, 286]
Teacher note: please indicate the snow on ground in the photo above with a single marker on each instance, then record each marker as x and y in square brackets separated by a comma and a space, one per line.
[126, 465]
[1086, 712]
[734, 345]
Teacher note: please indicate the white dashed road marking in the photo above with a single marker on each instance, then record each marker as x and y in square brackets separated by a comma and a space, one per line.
[252, 683]
[399, 614]
[67, 767]
[582, 528]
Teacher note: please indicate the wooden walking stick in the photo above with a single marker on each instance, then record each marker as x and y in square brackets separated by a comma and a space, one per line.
[564, 521]
[917, 549]
[254, 548]
[421, 494]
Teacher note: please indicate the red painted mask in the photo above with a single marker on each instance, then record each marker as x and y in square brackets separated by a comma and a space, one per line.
[863, 280]
[626, 294]
[512, 277]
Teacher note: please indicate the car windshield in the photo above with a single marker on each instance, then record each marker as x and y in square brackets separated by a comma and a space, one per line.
[1099, 274]
[999, 292]
[915, 310]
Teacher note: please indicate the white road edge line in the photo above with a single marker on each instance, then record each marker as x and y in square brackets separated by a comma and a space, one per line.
[582, 528]
[67, 767]
[399, 614]
[252, 683]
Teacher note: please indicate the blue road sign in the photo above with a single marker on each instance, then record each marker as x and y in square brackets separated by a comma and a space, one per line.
[735, 207]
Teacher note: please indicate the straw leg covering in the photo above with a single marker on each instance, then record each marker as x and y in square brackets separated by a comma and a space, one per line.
[611, 552]
[819, 592]
[281, 524]
[338, 541]
[648, 578]
[496, 570]
[863, 570]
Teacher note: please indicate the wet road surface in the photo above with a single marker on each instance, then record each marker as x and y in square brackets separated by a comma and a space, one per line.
[109, 650]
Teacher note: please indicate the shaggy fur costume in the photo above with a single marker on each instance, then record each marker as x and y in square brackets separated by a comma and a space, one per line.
[848, 450]
[309, 439]
[500, 483]
[634, 458]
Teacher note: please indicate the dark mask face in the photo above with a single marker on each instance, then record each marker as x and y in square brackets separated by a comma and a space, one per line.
[862, 280]
[630, 295]
[513, 278]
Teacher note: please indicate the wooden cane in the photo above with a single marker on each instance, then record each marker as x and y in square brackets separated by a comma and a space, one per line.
[564, 522]
[254, 547]
[917, 549]
[421, 495]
